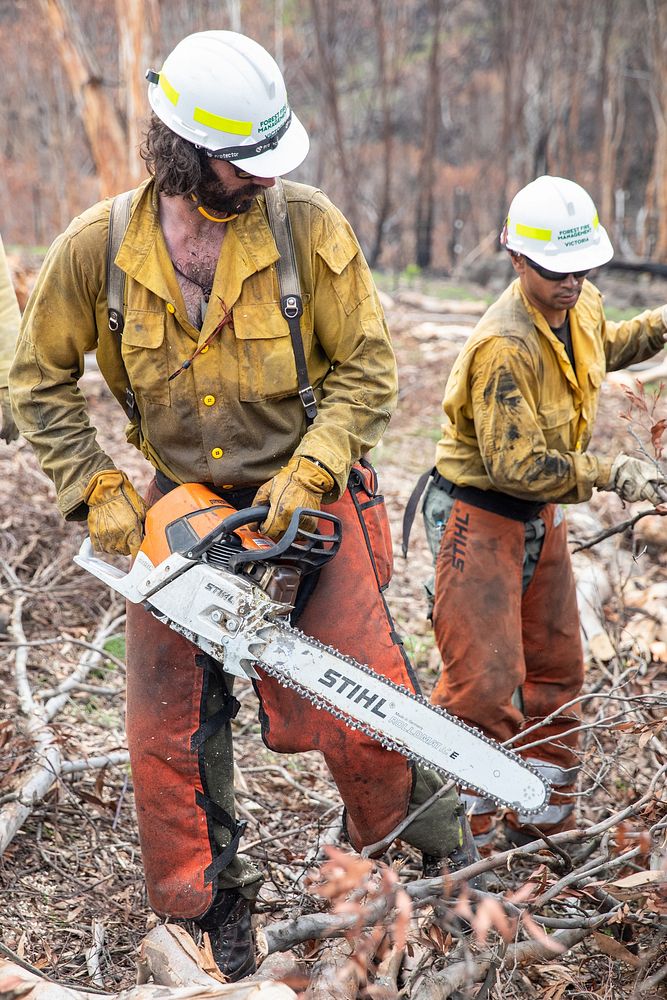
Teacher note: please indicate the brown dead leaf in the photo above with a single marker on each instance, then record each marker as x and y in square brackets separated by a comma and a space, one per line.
[657, 431]
[341, 874]
[610, 946]
[555, 991]
[401, 923]
[639, 880]
[534, 930]
[437, 939]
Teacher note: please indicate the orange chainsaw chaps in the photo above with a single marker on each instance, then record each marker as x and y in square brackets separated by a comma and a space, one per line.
[494, 639]
[165, 698]
[347, 611]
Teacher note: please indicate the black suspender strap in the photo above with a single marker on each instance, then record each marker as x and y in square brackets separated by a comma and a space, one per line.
[291, 303]
[119, 218]
[411, 508]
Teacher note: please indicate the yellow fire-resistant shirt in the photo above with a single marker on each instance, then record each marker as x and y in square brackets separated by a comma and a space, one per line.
[234, 417]
[519, 417]
[10, 318]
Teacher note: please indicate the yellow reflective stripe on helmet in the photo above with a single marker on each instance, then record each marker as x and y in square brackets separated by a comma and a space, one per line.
[533, 233]
[596, 221]
[222, 124]
[170, 92]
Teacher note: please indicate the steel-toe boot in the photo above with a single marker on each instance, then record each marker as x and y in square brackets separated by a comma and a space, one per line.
[229, 926]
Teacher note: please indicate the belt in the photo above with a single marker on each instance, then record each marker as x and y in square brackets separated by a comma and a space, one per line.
[497, 503]
[238, 498]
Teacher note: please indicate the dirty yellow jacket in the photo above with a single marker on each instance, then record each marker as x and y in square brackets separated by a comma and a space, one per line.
[519, 417]
[234, 417]
[10, 318]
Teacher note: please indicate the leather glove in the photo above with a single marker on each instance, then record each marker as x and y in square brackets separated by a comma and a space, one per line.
[301, 483]
[634, 479]
[8, 430]
[116, 513]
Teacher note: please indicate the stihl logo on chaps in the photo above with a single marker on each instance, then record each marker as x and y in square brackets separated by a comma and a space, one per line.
[459, 541]
[357, 694]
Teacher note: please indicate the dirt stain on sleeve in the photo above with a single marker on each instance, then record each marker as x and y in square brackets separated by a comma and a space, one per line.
[506, 391]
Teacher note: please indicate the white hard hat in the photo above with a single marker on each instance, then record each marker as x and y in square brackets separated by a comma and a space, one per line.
[554, 222]
[223, 92]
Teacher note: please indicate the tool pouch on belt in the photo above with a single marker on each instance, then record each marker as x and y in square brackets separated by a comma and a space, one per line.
[347, 610]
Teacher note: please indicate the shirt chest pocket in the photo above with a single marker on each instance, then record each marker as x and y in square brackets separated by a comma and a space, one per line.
[146, 355]
[267, 369]
[558, 420]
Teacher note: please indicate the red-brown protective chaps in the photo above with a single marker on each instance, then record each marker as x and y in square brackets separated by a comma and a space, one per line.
[495, 640]
[182, 803]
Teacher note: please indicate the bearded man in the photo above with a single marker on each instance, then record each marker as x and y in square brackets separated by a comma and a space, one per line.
[206, 368]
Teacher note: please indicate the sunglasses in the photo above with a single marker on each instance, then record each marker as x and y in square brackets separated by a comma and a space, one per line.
[548, 275]
[241, 174]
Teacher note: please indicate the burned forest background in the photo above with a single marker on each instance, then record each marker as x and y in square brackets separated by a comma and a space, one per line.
[425, 116]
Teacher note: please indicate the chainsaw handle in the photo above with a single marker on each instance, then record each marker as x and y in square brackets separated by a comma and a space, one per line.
[309, 547]
[240, 518]
[236, 520]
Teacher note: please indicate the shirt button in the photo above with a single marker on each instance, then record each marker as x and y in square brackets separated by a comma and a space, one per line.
[217, 453]
[209, 400]
[171, 308]
[204, 350]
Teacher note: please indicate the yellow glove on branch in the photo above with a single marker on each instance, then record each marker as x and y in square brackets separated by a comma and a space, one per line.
[116, 513]
[301, 483]
[8, 429]
[635, 479]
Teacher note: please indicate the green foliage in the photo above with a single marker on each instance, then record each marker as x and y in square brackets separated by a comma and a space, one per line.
[418, 648]
[116, 646]
[617, 315]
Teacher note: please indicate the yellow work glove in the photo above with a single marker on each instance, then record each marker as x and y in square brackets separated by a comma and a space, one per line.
[301, 483]
[634, 479]
[8, 430]
[116, 513]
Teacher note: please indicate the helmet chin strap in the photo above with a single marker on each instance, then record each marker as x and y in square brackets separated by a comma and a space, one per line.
[211, 218]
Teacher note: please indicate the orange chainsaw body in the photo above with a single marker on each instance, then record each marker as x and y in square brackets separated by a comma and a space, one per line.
[185, 516]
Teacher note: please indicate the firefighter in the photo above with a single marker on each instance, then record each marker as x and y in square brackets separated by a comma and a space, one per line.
[208, 364]
[520, 406]
[10, 320]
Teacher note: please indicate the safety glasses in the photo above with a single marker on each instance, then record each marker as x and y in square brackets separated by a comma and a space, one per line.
[241, 174]
[548, 275]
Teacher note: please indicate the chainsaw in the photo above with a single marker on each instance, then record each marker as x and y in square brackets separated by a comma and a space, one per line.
[206, 571]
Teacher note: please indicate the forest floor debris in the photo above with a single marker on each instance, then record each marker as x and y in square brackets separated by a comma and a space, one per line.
[554, 923]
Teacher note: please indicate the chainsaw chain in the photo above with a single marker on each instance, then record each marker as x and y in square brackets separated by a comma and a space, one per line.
[387, 742]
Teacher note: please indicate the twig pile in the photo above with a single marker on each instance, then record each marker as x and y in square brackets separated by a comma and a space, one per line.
[581, 913]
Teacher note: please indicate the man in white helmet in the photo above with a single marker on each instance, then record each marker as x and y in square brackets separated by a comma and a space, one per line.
[520, 405]
[206, 365]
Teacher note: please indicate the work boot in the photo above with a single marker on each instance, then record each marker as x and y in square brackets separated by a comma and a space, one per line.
[464, 854]
[229, 927]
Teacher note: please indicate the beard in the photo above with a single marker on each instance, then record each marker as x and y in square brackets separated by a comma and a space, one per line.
[216, 196]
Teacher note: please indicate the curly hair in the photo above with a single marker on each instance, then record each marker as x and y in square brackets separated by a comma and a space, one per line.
[175, 163]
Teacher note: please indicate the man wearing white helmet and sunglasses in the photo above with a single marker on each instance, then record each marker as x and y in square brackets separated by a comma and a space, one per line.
[207, 371]
[520, 406]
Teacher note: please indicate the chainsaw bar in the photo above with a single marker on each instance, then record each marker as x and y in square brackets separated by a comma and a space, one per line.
[388, 713]
[406, 723]
[235, 622]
